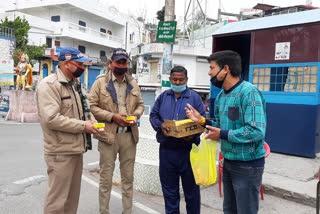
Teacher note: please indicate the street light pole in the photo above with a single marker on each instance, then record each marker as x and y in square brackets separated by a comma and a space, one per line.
[167, 47]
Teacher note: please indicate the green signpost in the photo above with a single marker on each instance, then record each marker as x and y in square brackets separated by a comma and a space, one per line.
[166, 31]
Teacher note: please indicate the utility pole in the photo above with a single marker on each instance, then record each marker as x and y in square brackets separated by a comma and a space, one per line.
[167, 47]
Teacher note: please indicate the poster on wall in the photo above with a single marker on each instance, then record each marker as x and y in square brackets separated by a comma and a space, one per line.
[4, 102]
[282, 51]
[6, 75]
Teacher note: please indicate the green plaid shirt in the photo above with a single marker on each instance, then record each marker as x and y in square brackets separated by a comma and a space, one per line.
[241, 115]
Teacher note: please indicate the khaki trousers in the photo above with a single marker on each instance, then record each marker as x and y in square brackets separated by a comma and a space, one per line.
[64, 182]
[125, 146]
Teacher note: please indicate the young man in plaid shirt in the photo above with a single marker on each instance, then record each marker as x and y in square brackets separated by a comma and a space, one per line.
[240, 125]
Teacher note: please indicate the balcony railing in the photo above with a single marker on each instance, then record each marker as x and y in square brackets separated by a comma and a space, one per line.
[7, 32]
[92, 34]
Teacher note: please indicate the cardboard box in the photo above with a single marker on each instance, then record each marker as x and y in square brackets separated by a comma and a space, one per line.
[183, 128]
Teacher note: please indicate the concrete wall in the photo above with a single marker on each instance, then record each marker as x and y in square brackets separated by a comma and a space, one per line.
[148, 70]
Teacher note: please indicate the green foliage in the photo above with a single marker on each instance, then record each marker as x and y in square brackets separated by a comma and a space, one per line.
[160, 14]
[22, 27]
[16, 55]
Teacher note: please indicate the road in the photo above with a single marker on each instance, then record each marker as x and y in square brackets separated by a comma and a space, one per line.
[23, 181]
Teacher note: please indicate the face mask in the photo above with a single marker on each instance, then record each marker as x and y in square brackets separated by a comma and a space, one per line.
[119, 70]
[216, 82]
[178, 88]
[79, 71]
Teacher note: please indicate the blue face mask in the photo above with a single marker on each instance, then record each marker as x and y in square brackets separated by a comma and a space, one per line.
[178, 88]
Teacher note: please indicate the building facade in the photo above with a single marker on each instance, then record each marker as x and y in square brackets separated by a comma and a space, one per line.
[280, 56]
[88, 25]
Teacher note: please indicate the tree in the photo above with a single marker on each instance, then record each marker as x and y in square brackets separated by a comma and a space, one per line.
[21, 27]
[160, 14]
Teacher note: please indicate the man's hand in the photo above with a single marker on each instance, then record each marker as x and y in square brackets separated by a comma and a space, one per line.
[90, 128]
[214, 133]
[120, 120]
[165, 130]
[192, 113]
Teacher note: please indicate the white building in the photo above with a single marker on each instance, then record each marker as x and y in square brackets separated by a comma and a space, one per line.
[94, 28]
[192, 54]
[88, 25]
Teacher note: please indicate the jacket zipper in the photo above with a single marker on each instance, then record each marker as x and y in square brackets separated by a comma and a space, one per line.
[84, 141]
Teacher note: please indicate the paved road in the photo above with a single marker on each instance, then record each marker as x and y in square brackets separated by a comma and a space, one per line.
[23, 181]
[23, 176]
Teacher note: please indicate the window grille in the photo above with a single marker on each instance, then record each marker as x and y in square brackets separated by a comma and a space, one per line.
[286, 79]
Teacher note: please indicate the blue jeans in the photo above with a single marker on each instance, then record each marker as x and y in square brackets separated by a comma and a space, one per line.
[175, 164]
[241, 187]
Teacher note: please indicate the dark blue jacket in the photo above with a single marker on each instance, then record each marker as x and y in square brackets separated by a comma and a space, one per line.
[164, 109]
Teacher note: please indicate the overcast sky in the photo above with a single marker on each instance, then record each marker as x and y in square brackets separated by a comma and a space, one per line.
[233, 6]
[150, 7]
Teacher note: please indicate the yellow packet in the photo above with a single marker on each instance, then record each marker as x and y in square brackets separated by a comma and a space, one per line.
[100, 126]
[181, 122]
[131, 119]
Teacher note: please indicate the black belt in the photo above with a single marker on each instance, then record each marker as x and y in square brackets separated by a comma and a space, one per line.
[123, 129]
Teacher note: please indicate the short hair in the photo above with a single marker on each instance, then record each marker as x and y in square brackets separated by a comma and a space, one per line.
[180, 69]
[230, 58]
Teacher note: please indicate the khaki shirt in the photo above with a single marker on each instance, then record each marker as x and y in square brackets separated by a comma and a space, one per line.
[121, 88]
[60, 113]
[102, 98]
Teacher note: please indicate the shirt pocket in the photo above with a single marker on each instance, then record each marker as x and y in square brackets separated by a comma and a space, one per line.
[233, 113]
[106, 100]
[67, 107]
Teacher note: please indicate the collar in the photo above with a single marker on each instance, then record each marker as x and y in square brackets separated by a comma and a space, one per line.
[61, 77]
[233, 87]
[114, 78]
[187, 92]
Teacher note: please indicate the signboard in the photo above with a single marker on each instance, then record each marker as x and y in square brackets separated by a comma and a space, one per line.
[166, 31]
[6, 75]
[282, 51]
[4, 102]
[58, 49]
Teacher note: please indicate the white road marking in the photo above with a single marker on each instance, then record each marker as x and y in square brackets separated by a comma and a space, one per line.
[137, 204]
[93, 163]
[29, 179]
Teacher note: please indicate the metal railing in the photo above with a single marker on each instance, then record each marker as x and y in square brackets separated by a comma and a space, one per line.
[93, 33]
[7, 32]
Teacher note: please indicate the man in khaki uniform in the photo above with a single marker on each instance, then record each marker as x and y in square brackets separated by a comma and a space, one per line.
[114, 96]
[66, 125]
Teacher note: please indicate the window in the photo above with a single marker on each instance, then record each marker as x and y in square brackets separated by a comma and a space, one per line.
[287, 79]
[102, 53]
[82, 49]
[57, 43]
[102, 30]
[132, 37]
[55, 18]
[49, 42]
[83, 24]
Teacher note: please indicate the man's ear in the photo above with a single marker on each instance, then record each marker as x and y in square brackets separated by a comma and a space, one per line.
[227, 69]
